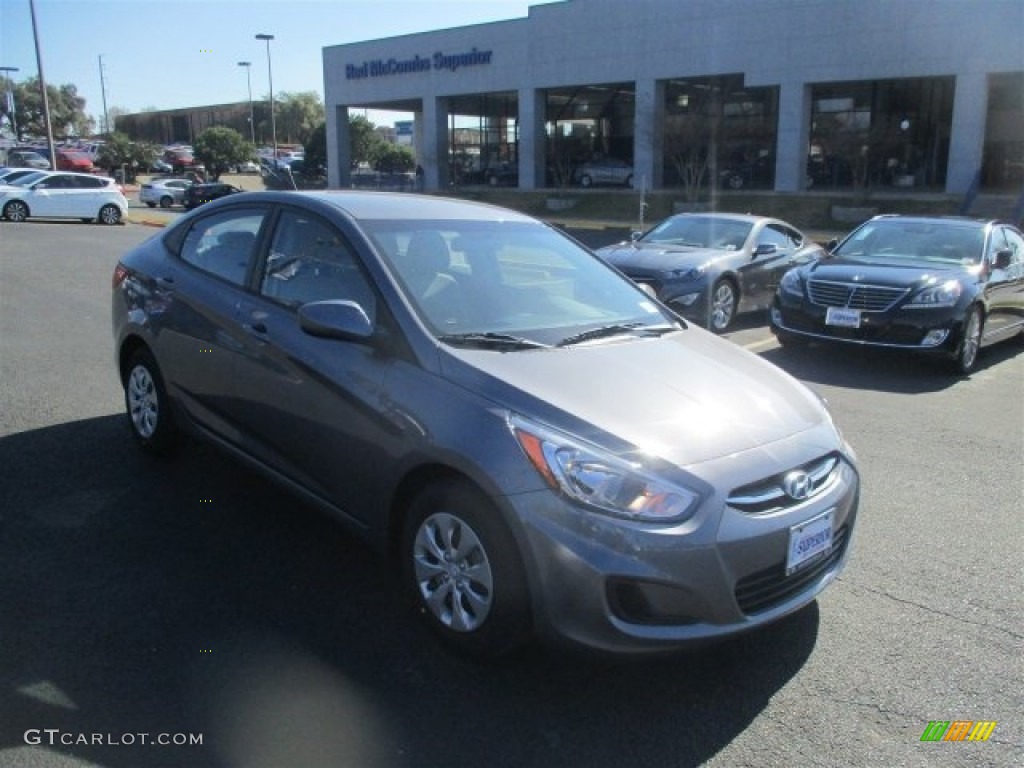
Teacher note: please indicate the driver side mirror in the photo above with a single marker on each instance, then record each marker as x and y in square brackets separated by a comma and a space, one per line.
[1002, 260]
[765, 249]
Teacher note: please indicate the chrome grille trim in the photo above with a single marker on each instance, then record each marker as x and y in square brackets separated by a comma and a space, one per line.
[767, 496]
[868, 298]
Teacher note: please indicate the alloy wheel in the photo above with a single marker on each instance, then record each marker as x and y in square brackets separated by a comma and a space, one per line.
[143, 402]
[16, 211]
[723, 306]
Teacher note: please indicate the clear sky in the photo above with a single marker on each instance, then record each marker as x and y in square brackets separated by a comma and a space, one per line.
[181, 53]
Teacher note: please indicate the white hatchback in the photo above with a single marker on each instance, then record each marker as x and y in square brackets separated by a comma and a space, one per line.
[68, 195]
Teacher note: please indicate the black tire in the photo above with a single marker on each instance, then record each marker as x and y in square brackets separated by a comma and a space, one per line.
[110, 215]
[722, 305]
[147, 406]
[166, 201]
[629, 182]
[151, 205]
[16, 211]
[461, 567]
[735, 181]
[586, 181]
[966, 356]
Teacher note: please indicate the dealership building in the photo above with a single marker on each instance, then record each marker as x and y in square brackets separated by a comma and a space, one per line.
[771, 94]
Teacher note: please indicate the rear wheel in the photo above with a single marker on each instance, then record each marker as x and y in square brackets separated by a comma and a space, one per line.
[970, 342]
[148, 408]
[586, 181]
[110, 214]
[151, 205]
[461, 566]
[166, 201]
[16, 211]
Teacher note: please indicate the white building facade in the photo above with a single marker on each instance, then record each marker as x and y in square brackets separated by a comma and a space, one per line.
[777, 94]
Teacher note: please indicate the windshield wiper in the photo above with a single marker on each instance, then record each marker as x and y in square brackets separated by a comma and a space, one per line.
[616, 329]
[491, 340]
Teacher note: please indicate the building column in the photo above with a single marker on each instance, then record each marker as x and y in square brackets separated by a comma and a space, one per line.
[794, 136]
[433, 148]
[967, 134]
[532, 119]
[648, 134]
[339, 150]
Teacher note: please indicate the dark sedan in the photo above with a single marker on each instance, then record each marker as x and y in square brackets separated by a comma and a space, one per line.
[945, 286]
[710, 267]
[198, 194]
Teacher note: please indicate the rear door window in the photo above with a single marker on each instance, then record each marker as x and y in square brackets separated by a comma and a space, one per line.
[224, 243]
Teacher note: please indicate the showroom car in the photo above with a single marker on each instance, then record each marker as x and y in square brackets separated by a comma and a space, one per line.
[198, 194]
[945, 286]
[59, 194]
[164, 192]
[447, 378]
[609, 170]
[710, 267]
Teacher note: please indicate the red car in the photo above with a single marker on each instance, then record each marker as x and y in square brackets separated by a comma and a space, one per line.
[71, 160]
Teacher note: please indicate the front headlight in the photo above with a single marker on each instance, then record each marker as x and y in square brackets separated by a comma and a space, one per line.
[600, 480]
[791, 282]
[945, 295]
[688, 273]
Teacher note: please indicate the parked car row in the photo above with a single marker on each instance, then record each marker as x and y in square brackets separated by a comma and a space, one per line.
[944, 286]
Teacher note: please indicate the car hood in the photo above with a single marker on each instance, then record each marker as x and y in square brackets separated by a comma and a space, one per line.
[658, 257]
[687, 397]
[901, 273]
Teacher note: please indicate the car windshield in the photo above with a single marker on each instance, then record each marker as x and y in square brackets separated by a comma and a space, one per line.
[25, 181]
[701, 232]
[484, 283]
[946, 242]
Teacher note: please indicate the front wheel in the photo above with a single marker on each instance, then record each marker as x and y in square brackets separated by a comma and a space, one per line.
[723, 306]
[586, 181]
[967, 352]
[166, 201]
[110, 214]
[148, 408]
[16, 211]
[461, 566]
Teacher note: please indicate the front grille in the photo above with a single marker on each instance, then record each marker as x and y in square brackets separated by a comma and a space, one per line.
[869, 298]
[766, 589]
[768, 495]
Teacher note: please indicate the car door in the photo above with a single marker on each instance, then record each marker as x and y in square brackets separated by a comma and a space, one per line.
[1004, 289]
[773, 253]
[197, 333]
[312, 407]
[52, 196]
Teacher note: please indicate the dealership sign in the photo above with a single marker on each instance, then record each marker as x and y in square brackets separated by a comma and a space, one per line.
[439, 61]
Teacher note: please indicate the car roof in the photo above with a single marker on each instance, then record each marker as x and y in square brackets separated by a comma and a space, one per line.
[747, 217]
[918, 219]
[402, 205]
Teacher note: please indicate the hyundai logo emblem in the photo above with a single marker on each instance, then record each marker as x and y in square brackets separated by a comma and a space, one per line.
[797, 484]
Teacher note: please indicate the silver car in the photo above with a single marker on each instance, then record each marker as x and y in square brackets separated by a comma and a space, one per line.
[542, 449]
[164, 192]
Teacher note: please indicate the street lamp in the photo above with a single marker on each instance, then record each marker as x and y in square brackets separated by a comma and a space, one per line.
[10, 101]
[248, 80]
[270, 77]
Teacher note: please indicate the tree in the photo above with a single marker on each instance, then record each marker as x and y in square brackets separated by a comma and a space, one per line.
[391, 158]
[364, 139]
[692, 136]
[67, 110]
[297, 115]
[316, 150]
[121, 152]
[220, 149]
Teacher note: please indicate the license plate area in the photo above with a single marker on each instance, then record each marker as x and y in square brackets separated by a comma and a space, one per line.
[809, 541]
[842, 317]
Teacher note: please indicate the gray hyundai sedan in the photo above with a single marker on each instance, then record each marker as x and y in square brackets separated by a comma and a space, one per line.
[542, 449]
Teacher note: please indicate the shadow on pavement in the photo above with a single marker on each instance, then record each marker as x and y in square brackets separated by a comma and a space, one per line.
[191, 596]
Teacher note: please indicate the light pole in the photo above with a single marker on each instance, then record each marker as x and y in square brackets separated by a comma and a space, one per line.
[248, 80]
[9, 95]
[270, 77]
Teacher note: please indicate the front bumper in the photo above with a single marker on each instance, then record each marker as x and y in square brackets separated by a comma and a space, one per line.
[626, 587]
[920, 330]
